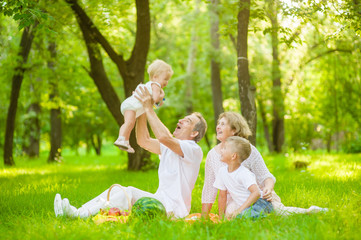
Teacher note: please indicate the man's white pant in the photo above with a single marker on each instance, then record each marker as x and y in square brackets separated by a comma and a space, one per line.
[117, 199]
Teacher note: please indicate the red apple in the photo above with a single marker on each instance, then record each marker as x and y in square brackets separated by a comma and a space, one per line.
[114, 212]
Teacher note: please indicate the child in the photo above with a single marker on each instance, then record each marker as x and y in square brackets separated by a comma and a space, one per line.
[239, 182]
[159, 74]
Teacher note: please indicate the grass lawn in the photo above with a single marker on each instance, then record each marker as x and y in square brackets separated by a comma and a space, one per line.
[27, 193]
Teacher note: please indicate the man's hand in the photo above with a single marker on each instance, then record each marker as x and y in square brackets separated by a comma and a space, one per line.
[145, 98]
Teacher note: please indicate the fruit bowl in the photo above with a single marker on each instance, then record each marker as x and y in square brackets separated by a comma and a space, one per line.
[111, 215]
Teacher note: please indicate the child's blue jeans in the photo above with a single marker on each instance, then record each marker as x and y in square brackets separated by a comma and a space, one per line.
[258, 210]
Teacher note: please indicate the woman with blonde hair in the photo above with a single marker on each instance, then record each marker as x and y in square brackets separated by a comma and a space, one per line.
[233, 124]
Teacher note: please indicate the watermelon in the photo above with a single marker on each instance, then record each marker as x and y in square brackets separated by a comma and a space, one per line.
[147, 207]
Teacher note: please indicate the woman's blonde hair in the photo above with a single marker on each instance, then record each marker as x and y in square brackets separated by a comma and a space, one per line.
[159, 66]
[237, 122]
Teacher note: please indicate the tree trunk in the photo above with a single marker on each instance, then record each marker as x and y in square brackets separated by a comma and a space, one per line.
[25, 46]
[336, 107]
[246, 91]
[32, 131]
[96, 142]
[55, 112]
[277, 95]
[191, 64]
[265, 125]
[215, 66]
[132, 70]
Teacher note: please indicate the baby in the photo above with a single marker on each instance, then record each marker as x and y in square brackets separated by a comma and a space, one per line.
[159, 74]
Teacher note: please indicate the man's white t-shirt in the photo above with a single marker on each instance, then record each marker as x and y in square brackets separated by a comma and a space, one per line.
[236, 183]
[177, 177]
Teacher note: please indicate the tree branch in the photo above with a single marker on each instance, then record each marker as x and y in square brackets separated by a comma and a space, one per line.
[142, 37]
[233, 40]
[327, 52]
[312, 59]
[96, 34]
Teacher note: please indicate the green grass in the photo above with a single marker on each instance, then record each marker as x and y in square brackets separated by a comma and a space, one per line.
[27, 193]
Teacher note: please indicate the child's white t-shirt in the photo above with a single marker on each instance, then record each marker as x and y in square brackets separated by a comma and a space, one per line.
[177, 176]
[236, 183]
[131, 103]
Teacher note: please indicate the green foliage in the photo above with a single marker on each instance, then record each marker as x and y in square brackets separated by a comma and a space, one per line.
[26, 13]
[28, 192]
[353, 147]
[319, 60]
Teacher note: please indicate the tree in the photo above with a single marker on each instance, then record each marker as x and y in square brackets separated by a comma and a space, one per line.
[246, 91]
[25, 46]
[215, 64]
[32, 132]
[55, 111]
[131, 70]
[278, 132]
[192, 55]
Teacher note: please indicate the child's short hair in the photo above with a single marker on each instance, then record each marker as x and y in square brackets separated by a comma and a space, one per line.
[241, 146]
[159, 66]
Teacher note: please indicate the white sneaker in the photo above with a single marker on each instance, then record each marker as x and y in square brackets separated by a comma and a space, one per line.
[316, 209]
[130, 149]
[58, 208]
[68, 209]
[121, 143]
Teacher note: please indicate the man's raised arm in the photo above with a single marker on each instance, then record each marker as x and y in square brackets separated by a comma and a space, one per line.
[143, 138]
[160, 131]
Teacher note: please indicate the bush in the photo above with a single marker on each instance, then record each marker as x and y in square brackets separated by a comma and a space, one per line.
[354, 146]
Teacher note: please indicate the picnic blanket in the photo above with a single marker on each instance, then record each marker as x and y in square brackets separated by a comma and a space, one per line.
[197, 216]
[191, 218]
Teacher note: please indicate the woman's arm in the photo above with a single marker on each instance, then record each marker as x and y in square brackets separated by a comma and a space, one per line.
[255, 195]
[209, 192]
[206, 208]
[256, 164]
[222, 202]
[267, 189]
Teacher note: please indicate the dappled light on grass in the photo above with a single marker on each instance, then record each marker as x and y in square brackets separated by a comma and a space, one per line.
[28, 191]
[14, 172]
[341, 167]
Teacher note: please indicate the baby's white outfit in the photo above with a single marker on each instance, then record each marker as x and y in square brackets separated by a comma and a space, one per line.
[131, 103]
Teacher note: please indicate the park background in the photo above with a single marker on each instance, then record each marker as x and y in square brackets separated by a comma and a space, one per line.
[292, 68]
